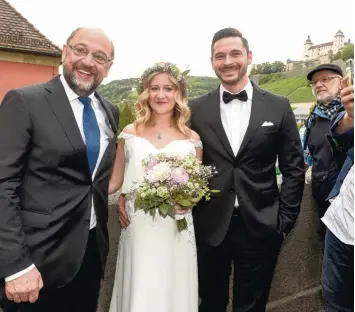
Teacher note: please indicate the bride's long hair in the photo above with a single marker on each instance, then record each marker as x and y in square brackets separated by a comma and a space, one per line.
[181, 114]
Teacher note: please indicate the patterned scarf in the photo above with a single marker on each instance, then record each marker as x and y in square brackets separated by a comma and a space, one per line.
[331, 108]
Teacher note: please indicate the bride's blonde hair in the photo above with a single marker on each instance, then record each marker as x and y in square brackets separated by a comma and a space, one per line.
[181, 113]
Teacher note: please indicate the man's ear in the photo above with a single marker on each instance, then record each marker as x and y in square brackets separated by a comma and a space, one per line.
[108, 68]
[64, 53]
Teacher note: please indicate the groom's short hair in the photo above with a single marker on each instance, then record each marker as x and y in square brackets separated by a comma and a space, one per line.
[229, 32]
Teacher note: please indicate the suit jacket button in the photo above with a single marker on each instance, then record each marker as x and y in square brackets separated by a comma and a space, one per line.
[232, 190]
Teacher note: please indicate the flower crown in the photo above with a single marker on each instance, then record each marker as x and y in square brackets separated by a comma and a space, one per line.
[169, 68]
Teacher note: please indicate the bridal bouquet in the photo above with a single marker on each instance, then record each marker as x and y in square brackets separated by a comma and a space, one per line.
[172, 183]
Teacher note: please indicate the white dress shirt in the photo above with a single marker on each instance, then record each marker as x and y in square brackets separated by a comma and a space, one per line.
[339, 217]
[106, 134]
[235, 118]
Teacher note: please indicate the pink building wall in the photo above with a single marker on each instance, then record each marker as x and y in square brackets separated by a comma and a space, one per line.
[16, 75]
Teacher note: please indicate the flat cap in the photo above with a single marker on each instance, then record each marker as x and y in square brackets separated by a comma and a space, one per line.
[330, 67]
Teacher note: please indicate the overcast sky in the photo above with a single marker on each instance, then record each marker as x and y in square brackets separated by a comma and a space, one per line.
[148, 31]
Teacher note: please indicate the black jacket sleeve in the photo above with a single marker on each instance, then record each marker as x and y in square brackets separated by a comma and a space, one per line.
[291, 164]
[15, 137]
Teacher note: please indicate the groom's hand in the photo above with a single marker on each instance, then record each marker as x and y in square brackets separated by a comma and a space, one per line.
[180, 210]
[122, 214]
[25, 288]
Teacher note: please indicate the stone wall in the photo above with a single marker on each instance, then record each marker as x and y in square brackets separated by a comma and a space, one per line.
[296, 285]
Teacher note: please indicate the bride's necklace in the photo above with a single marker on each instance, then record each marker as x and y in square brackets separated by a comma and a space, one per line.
[159, 136]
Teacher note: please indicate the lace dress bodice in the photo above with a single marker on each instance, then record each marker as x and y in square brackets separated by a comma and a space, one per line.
[138, 148]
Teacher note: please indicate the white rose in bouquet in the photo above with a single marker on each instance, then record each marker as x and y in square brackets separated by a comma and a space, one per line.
[159, 173]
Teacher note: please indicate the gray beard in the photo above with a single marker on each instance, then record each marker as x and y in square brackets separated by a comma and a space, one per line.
[327, 100]
[324, 101]
[73, 84]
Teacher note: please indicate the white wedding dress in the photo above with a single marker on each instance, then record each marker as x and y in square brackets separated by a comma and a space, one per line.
[156, 268]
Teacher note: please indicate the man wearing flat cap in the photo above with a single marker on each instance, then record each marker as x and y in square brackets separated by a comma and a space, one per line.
[326, 85]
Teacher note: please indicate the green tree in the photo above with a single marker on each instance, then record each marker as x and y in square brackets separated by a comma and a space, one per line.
[126, 115]
[278, 67]
[267, 68]
[253, 71]
[348, 52]
[123, 92]
[259, 68]
[337, 56]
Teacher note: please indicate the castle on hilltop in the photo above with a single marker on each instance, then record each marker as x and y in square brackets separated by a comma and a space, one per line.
[312, 51]
[319, 53]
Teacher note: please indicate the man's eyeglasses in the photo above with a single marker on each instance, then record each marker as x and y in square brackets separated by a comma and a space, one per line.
[323, 80]
[99, 57]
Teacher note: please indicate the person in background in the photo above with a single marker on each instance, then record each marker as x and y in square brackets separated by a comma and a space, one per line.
[338, 261]
[326, 84]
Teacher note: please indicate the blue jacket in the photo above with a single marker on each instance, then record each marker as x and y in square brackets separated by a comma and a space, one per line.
[345, 143]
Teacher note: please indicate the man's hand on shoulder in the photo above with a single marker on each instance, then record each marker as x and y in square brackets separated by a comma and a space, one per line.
[25, 288]
[122, 213]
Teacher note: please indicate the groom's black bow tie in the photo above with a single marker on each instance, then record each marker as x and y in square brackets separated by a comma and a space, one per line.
[242, 96]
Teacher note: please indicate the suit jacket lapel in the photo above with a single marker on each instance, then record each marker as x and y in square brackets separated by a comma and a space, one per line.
[59, 102]
[256, 117]
[217, 126]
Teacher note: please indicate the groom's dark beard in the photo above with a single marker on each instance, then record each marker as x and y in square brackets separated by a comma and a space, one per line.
[242, 73]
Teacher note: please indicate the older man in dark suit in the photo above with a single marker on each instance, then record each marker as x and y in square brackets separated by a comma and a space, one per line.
[57, 148]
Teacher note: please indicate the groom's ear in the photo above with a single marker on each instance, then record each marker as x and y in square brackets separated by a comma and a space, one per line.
[250, 57]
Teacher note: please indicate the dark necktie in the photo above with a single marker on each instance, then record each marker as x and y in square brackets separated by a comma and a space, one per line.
[228, 97]
[91, 133]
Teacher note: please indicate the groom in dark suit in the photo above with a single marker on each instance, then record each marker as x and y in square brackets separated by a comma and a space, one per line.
[244, 129]
[57, 147]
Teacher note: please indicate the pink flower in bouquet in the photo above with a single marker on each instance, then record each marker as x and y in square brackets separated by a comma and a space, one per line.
[159, 173]
[152, 163]
[180, 175]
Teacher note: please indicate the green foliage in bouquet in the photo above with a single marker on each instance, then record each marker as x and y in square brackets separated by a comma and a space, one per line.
[171, 184]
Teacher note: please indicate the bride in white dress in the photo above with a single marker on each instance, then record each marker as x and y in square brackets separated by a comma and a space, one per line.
[157, 265]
